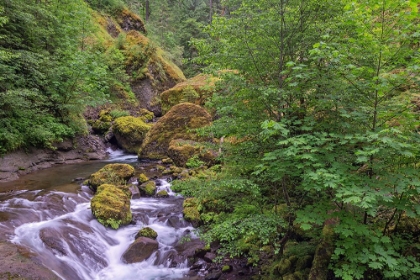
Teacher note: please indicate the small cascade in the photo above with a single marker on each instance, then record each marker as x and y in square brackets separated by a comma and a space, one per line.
[59, 228]
[120, 156]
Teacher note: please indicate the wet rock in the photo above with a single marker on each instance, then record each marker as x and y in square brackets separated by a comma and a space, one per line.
[141, 249]
[53, 240]
[198, 265]
[188, 249]
[135, 193]
[175, 222]
[209, 257]
[16, 262]
[213, 276]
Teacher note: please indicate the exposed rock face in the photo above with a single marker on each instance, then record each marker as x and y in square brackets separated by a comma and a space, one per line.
[116, 173]
[21, 162]
[111, 206]
[130, 132]
[176, 124]
[141, 249]
[130, 21]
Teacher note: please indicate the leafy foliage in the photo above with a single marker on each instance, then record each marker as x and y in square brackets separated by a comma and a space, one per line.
[48, 72]
[318, 109]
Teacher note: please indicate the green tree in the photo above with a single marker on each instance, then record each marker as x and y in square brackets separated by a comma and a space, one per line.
[332, 84]
[48, 74]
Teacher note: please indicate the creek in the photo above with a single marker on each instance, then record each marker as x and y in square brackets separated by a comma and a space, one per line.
[49, 213]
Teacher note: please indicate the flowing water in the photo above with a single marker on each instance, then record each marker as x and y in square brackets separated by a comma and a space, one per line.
[50, 214]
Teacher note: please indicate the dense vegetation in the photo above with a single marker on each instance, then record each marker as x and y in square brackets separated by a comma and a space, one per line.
[47, 72]
[316, 110]
[321, 136]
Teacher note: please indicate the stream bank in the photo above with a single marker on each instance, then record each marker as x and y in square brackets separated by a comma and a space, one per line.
[21, 162]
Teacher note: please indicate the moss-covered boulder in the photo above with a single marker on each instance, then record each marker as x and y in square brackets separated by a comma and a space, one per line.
[176, 124]
[195, 90]
[190, 211]
[115, 173]
[130, 132]
[148, 188]
[111, 206]
[147, 232]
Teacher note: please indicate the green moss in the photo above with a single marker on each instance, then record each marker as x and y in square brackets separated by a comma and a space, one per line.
[111, 206]
[130, 132]
[148, 188]
[147, 232]
[176, 124]
[100, 126]
[142, 178]
[191, 214]
[116, 173]
[167, 161]
[226, 268]
[146, 115]
[162, 193]
[284, 267]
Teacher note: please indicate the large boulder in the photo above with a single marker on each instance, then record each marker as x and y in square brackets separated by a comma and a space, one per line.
[130, 132]
[195, 90]
[141, 249]
[115, 173]
[111, 206]
[176, 124]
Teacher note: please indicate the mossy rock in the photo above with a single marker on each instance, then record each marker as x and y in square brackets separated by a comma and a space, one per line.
[284, 267]
[181, 150]
[100, 127]
[130, 132]
[147, 232]
[143, 178]
[195, 90]
[304, 262]
[115, 173]
[176, 124]
[162, 193]
[146, 115]
[148, 188]
[167, 161]
[226, 268]
[111, 206]
[192, 215]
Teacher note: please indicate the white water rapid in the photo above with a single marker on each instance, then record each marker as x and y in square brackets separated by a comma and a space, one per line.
[59, 228]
